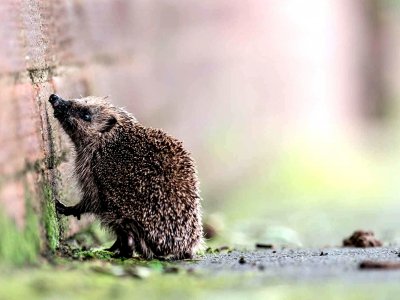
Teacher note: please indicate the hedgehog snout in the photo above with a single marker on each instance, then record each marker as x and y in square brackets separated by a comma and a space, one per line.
[60, 106]
[54, 100]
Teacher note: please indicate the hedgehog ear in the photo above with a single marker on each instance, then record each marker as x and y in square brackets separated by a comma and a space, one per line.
[109, 124]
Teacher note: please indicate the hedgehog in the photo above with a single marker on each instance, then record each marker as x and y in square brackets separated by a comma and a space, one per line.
[140, 182]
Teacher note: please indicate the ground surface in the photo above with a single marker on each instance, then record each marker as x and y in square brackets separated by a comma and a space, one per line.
[328, 273]
[306, 265]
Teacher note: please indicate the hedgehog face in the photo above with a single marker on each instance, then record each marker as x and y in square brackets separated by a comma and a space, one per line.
[84, 120]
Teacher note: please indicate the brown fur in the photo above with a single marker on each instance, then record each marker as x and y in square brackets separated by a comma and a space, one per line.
[140, 182]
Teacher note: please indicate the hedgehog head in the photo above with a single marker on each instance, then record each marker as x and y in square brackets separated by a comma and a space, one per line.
[85, 120]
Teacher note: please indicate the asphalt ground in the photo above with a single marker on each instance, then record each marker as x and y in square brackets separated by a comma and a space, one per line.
[306, 264]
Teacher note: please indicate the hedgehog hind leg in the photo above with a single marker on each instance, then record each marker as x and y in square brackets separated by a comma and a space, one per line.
[126, 249]
[123, 246]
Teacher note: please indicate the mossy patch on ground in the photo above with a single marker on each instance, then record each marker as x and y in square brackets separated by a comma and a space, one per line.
[92, 254]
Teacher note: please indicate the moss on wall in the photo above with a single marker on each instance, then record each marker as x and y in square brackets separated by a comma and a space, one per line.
[50, 220]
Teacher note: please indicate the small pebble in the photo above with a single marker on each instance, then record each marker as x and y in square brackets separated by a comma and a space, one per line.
[264, 246]
[379, 265]
[171, 270]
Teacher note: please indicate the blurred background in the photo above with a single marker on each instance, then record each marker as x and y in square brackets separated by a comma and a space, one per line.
[291, 109]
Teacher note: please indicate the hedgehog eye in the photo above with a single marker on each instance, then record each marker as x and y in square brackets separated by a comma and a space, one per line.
[86, 117]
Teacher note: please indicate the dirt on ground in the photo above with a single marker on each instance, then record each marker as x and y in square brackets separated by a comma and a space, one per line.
[362, 239]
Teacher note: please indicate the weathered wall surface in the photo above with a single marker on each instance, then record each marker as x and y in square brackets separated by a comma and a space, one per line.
[46, 47]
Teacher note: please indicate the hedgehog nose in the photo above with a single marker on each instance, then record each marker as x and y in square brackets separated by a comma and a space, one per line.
[54, 100]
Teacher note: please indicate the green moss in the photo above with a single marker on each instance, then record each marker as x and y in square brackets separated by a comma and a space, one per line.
[19, 246]
[50, 221]
[92, 254]
[99, 256]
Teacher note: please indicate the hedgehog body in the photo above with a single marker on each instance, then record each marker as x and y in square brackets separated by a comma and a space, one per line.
[140, 182]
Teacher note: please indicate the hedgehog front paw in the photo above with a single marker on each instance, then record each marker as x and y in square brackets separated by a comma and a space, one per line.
[61, 208]
[67, 211]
